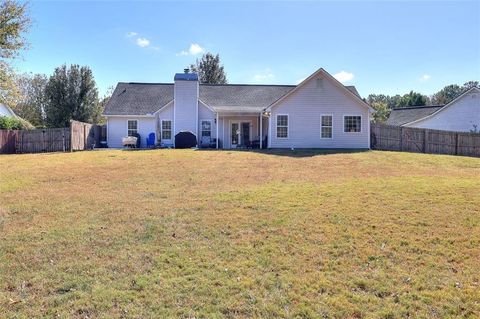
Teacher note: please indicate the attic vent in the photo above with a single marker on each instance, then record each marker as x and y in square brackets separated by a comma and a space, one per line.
[320, 83]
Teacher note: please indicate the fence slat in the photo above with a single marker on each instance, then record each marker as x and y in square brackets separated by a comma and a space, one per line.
[418, 140]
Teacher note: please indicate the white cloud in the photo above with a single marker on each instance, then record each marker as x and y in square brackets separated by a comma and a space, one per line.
[264, 76]
[344, 76]
[142, 42]
[425, 77]
[131, 34]
[193, 50]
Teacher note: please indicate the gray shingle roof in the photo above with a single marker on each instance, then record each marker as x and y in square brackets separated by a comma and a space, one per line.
[138, 98]
[240, 97]
[409, 114]
[147, 98]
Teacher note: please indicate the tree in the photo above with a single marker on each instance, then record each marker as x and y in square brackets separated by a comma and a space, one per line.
[382, 112]
[14, 23]
[71, 93]
[412, 99]
[209, 69]
[446, 95]
[31, 104]
[97, 117]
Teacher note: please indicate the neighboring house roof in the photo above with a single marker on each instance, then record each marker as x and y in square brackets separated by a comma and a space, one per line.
[6, 111]
[405, 115]
[473, 89]
[148, 98]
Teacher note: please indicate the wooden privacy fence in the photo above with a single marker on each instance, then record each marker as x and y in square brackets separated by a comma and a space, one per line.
[79, 136]
[419, 140]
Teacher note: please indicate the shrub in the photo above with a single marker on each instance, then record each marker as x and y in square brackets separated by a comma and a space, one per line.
[14, 123]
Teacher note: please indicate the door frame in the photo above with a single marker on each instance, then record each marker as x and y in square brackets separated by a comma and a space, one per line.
[239, 122]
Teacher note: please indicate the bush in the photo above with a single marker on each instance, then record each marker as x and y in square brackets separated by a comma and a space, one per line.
[14, 123]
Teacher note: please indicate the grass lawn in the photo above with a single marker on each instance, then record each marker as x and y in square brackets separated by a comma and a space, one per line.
[219, 234]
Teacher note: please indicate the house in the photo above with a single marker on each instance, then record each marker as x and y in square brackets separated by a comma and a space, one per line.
[462, 114]
[6, 111]
[320, 112]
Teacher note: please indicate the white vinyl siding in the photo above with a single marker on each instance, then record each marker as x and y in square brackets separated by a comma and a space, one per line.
[326, 122]
[117, 128]
[282, 126]
[305, 108]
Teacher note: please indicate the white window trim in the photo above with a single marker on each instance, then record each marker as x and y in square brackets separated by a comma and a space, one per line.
[128, 120]
[276, 126]
[361, 123]
[211, 127]
[161, 129]
[321, 126]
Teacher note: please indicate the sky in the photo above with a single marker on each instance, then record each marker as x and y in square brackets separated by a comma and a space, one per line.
[380, 47]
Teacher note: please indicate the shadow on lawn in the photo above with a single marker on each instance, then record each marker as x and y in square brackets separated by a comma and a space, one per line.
[292, 153]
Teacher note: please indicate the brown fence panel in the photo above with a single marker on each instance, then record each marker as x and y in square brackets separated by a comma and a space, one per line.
[413, 140]
[7, 141]
[386, 137]
[468, 144]
[441, 142]
[82, 135]
[43, 140]
[410, 139]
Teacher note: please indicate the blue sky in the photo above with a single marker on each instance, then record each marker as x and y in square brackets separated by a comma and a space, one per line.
[380, 47]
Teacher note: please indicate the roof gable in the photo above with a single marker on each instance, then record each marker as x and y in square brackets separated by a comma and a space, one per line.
[349, 90]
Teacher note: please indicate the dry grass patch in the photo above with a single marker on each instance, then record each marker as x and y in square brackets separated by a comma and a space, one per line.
[181, 233]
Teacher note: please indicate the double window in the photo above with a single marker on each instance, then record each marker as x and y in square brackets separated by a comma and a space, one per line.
[132, 127]
[326, 123]
[352, 124]
[166, 130]
[282, 126]
[206, 128]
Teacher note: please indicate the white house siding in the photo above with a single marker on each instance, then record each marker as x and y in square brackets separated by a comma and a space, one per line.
[304, 109]
[460, 116]
[186, 106]
[225, 124]
[117, 129]
[165, 114]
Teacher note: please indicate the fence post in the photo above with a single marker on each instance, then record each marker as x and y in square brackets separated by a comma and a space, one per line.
[71, 135]
[84, 136]
[401, 138]
[456, 143]
[43, 141]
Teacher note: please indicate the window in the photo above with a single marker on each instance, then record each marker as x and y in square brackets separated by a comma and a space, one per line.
[326, 126]
[282, 126]
[166, 130]
[207, 128]
[352, 124]
[132, 127]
